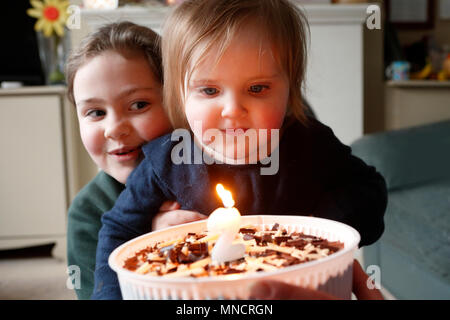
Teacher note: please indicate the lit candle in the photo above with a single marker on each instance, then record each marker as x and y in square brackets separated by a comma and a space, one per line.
[227, 222]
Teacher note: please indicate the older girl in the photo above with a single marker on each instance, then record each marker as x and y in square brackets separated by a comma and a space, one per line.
[115, 82]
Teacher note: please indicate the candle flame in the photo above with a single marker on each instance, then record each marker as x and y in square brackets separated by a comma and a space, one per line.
[225, 195]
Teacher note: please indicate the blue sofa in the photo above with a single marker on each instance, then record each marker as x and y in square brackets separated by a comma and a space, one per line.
[414, 252]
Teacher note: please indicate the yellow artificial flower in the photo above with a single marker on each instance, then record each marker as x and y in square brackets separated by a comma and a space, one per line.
[51, 14]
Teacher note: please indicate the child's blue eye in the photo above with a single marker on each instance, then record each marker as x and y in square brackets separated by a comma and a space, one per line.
[95, 113]
[258, 88]
[209, 91]
[139, 105]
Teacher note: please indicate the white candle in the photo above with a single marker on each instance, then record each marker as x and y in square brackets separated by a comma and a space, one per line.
[227, 222]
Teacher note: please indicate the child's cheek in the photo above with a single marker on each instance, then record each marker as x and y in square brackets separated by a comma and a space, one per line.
[94, 142]
[154, 125]
[275, 117]
[272, 120]
[204, 117]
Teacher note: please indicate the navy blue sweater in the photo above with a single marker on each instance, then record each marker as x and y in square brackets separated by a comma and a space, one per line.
[318, 176]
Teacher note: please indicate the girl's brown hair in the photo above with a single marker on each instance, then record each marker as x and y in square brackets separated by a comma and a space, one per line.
[123, 37]
[196, 26]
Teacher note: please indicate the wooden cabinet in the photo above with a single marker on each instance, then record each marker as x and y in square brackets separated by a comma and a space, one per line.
[413, 103]
[39, 166]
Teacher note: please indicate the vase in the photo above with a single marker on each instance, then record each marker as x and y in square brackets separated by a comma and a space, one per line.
[52, 52]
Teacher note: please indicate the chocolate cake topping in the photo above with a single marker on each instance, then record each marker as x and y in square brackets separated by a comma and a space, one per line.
[173, 255]
[266, 250]
[267, 238]
[247, 230]
[281, 239]
[298, 243]
[131, 263]
[198, 249]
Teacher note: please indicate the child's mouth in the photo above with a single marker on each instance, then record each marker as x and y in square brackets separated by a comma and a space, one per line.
[126, 153]
[123, 153]
[234, 131]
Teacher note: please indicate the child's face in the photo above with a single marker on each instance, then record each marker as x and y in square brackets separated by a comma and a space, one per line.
[119, 107]
[245, 89]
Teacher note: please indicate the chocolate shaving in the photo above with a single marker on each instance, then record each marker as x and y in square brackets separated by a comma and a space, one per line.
[173, 269]
[258, 240]
[332, 246]
[182, 258]
[231, 270]
[194, 258]
[198, 249]
[163, 260]
[247, 230]
[131, 263]
[319, 242]
[298, 243]
[336, 244]
[276, 226]
[311, 238]
[265, 253]
[291, 261]
[267, 238]
[144, 251]
[281, 239]
[173, 255]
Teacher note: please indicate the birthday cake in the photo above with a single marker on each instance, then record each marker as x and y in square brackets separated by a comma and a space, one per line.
[177, 262]
[267, 249]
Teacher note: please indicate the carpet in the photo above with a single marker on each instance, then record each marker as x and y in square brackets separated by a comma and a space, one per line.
[33, 274]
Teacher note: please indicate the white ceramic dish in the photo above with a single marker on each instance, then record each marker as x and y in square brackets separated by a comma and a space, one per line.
[332, 274]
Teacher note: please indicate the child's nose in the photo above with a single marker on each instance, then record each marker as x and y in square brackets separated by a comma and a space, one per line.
[233, 108]
[117, 129]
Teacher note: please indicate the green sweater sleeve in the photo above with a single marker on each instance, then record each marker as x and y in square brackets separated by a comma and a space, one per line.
[84, 223]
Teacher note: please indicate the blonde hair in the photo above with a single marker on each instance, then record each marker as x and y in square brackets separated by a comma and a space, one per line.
[122, 37]
[196, 26]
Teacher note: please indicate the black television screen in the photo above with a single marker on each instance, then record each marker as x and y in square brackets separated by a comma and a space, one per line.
[19, 54]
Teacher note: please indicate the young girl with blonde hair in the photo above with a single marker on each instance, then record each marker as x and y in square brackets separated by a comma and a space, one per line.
[233, 68]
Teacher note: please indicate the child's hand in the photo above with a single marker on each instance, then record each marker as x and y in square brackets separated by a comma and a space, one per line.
[169, 206]
[169, 216]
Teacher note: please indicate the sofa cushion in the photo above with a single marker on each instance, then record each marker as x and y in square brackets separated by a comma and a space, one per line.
[408, 156]
[418, 224]
[405, 279]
